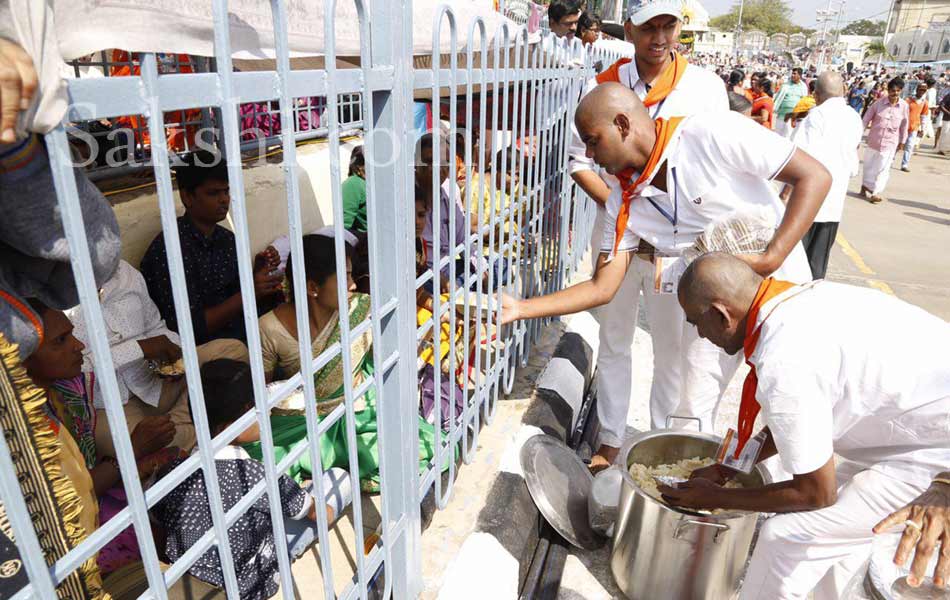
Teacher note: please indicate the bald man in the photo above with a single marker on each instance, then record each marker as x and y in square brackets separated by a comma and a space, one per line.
[680, 176]
[831, 133]
[651, 30]
[837, 370]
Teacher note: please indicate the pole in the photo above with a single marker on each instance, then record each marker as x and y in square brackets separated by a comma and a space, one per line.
[738, 40]
[913, 46]
[834, 50]
[823, 15]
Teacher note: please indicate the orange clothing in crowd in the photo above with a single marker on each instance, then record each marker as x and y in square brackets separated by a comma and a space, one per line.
[128, 65]
[764, 102]
[917, 108]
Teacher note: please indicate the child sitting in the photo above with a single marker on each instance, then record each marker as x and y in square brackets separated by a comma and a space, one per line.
[185, 512]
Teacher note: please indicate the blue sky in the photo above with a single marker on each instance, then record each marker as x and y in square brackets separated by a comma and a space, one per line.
[805, 9]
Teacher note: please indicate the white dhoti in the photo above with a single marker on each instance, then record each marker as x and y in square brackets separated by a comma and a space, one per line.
[783, 127]
[944, 145]
[877, 169]
[821, 550]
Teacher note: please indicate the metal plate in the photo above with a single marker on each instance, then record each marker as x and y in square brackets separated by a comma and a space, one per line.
[560, 483]
[887, 581]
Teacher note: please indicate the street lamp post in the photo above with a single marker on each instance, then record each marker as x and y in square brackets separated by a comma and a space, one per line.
[834, 49]
[823, 17]
[738, 40]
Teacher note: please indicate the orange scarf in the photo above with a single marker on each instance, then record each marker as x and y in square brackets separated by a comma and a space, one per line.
[749, 408]
[664, 133]
[661, 88]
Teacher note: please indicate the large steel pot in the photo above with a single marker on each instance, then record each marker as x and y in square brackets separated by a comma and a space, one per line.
[660, 553]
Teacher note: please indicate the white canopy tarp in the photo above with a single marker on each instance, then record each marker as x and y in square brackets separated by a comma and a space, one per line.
[187, 26]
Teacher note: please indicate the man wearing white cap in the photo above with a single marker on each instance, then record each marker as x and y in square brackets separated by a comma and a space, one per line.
[669, 87]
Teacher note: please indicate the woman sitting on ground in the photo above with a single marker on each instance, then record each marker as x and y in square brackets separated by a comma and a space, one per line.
[56, 368]
[282, 361]
[186, 514]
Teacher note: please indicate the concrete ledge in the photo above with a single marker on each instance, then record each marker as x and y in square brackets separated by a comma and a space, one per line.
[508, 525]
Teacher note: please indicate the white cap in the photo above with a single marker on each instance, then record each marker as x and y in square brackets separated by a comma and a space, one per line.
[641, 11]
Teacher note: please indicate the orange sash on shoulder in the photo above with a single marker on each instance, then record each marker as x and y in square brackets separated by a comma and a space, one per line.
[631, 189]
[661, 88]
[749, 407]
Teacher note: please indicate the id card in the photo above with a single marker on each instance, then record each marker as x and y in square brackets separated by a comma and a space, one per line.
[668, 270]
[747, 458]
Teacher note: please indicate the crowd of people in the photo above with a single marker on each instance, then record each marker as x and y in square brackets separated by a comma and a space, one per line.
[666, 148]
[859, 430]
[473, 206]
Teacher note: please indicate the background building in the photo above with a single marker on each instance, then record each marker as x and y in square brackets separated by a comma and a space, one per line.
[910, 14]
[851, 48]
[921, 45]
[715, 42]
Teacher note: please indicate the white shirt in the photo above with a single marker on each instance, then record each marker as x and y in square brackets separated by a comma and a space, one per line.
[698, 91]
[613, 45]
[716, 164]
[859, 373]
[130, 315]
[831, 133]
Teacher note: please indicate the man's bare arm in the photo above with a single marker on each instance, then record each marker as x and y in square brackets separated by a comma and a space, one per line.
[594, 185]
[595, 292]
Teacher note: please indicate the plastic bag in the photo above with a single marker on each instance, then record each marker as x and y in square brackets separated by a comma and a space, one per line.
[745, 232]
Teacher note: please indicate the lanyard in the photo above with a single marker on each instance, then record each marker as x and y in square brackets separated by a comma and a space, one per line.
[675, 196]
[659, 106]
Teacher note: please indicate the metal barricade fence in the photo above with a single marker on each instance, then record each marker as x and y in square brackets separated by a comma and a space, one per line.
[525, 228]
[119, 145]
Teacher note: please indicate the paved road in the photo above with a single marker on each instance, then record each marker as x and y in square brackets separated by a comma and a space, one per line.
[902, 244]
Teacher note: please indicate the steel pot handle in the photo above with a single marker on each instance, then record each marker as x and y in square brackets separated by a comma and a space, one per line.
[719, 527]
[669, 421]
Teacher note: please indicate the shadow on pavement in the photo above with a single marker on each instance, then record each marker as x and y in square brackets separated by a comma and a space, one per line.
[928, 218]
[921, 206]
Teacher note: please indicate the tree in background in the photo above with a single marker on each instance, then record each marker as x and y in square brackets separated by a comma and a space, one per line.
[877, 48]
[864, 27]
[770, 16]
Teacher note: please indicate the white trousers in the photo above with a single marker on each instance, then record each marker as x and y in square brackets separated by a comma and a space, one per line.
[877, 169]
[690, 374]
[684, 366]
[821, 550]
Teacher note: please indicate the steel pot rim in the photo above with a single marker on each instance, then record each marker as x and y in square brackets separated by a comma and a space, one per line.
[654, 433]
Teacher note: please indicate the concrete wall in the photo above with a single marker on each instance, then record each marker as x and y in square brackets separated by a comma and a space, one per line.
[138, 213]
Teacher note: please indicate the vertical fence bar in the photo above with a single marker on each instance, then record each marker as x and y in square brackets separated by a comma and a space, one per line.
[342, 282]
[436, 331]
[231, 132]
[471, 197]
[390, 184]
[295, 229]
[64, 181]
[166, 202]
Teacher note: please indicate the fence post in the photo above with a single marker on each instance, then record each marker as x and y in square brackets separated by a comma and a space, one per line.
[392, 246]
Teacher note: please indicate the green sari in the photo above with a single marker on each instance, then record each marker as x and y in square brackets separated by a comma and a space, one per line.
[290, 430]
